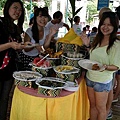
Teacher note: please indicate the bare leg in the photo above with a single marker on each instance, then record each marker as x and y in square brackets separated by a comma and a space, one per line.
[109, 101]
[117, 92]
[93, 110]
[101, 101]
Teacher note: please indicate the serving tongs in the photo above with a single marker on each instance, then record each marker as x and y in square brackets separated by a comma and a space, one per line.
[40, 60]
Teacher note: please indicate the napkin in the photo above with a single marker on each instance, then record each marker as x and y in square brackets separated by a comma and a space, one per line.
[71, 38]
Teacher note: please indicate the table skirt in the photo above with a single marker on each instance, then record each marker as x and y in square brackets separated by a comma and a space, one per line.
[74, 106]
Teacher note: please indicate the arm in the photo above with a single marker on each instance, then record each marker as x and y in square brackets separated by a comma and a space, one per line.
[67, 26]
[27, 40]
[14, 45]
[49, 37]
[111, 67]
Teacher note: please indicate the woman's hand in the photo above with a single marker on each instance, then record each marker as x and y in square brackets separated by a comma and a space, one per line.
[17, 46]
[53, 31]
[85, 39]
[39, 48]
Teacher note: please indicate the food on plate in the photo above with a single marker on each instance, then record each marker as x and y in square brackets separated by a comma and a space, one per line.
[53, 54]
[95, 67]
[26, 75]
[64, 68]
[41, 63]
[49, 83]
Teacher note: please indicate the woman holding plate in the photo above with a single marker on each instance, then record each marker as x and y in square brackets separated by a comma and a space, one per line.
[105, 50]
[38, 35]
[10, 42]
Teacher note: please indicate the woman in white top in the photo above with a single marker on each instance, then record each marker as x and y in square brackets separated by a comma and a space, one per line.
[39, 34]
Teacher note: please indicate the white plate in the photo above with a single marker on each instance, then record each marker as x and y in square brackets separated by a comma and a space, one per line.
[72, 86]
[44, 68]
[87, 64]
[31, 45]
[26, 75]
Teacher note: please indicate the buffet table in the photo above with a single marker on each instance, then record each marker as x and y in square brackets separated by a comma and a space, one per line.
[28, 105]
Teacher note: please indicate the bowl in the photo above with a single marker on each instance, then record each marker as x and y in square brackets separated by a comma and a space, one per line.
[26, 78]
[66, 72]
[50, 86]
[67, 47]
[45, 71]
[54, 61]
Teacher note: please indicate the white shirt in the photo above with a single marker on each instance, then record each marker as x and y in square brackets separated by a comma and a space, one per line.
[57, 26]
[34, 52]
[77, 29]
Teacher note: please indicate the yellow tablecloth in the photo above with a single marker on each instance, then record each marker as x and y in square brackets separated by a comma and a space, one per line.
[71, 107]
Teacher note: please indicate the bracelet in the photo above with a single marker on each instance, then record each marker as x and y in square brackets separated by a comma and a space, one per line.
[106, 67]
[87, 46]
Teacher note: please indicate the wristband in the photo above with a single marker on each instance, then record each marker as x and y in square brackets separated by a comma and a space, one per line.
[87, 46]
[106, 67]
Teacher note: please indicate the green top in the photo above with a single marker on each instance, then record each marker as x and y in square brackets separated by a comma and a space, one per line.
[113, 58]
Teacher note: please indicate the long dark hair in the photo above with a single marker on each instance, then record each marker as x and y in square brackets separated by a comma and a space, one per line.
[7, 16]
[114, 22]
[35, 30]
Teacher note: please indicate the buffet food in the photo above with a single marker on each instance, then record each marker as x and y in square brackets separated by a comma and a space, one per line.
[26, 78]
[52, 53]
[41, 63]
[50, 86]
[67, 73]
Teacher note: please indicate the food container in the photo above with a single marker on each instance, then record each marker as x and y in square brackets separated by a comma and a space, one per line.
[67, 73]
[45, 71]
[67, 47]
[26, 78]
[54, 61]
[71, 58]
[50, 86]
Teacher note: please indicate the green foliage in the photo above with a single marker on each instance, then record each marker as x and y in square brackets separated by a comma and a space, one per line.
[47, 2]
[72, 14]
[2, 3]
[91, 10]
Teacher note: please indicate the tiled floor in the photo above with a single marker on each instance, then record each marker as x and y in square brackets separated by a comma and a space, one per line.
[115, 108]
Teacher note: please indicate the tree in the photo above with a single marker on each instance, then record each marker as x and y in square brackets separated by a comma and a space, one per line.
[2, 3]
[47, 2]
[73, 12]
[91, 10]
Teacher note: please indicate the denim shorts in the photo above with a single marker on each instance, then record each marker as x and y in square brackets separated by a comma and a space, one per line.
[99, 87]
[118, 72]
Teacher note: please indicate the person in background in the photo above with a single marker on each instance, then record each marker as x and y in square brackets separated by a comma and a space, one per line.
[76, 26]
[88, 30]
[32, 16]
[37, 34]
[10, 42]
[102, 10]
[117, 76]
[105, 50]
[57, 23]
[84, 31]
[93, 34]
[49, 17]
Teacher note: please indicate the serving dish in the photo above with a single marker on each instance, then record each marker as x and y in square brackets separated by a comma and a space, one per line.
[45, 71]
[67, 73]
[26, 78]
[50, 86]
[72, 86]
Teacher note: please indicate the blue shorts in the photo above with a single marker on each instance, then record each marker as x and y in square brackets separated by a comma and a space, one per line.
[99, 87]
[118, 72]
